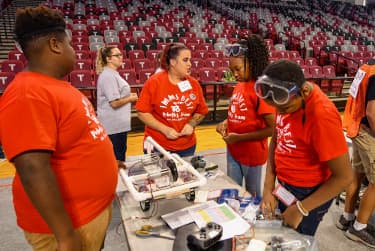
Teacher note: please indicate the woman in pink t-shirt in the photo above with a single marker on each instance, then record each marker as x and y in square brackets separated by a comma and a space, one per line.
[250, 119]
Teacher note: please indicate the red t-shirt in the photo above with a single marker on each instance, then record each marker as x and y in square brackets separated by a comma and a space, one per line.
[245, 114]
[304, 148]
[38, 112]
[171, 106]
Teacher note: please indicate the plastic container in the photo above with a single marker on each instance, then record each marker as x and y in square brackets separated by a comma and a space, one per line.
[227, 194]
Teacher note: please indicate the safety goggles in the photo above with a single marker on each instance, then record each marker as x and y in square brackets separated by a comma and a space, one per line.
[234, 50]
[280, 91]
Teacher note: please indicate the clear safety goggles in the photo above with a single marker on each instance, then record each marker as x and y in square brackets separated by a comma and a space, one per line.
[234, 50]
[280, 91]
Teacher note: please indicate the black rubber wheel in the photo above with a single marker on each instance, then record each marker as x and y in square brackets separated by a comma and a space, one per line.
[172, 166]
[190, 196]
[145, 205]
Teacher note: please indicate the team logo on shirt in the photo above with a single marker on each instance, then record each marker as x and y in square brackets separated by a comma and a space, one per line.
[237, 108]
[178, 107]
[285, 141]
[96, 129]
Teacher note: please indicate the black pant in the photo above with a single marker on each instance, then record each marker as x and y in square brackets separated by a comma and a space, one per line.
[310, 223]
[119, 142]
[1, 153]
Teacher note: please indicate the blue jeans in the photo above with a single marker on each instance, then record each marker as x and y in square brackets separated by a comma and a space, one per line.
[119, 142]
[252, 174]
[1, 153]
[182, 153]
[309, 224]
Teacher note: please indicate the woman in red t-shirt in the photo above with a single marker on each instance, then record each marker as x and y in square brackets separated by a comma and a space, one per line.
[250, 119]
[171, 103]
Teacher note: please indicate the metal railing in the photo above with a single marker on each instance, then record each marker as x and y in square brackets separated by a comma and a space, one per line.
[338, 56]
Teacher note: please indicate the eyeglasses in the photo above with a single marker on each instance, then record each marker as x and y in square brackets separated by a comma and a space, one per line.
[117, 55]
[234, 50]
[280, 91]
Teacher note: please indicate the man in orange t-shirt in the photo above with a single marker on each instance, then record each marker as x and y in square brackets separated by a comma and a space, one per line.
[308, 152]
[171, 103]
[66, 171]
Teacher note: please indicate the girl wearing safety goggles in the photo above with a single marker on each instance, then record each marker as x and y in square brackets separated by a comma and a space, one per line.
[308, 152]
[250, 120]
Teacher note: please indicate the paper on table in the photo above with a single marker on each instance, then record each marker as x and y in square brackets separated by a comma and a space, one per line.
[182, 217]
[222, 214]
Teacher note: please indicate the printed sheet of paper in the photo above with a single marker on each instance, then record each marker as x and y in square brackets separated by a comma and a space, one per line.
[232, 223]
[182, 217]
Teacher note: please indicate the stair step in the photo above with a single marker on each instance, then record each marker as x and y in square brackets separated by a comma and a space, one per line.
[7, 22]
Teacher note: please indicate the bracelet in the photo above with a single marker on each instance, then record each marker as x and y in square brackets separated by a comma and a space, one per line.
[301, 209]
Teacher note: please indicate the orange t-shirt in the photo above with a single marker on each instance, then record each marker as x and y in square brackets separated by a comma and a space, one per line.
[303, 148]
[355, 108]
[245, 114]
[171, 106]
[38, 112]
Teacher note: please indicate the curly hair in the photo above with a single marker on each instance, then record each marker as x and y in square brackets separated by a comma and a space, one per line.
[256, 54]
[33, 23]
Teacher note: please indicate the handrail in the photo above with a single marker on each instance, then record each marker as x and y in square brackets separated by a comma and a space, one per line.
[215, 98]
[216, 84]
[294, 37]
[331, 78]
[324, 48]
[345, 57]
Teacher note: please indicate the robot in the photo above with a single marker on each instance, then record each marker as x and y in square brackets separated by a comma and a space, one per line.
[160, 175]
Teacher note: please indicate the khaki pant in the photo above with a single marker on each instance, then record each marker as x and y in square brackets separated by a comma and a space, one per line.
[92, 234]
[364, 153]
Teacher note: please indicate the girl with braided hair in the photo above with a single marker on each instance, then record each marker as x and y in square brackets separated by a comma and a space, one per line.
[250, 120]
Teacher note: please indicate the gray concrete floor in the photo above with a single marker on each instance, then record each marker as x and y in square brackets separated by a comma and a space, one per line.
[11, 238]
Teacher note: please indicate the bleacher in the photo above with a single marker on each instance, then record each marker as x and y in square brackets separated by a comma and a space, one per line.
[327, 44]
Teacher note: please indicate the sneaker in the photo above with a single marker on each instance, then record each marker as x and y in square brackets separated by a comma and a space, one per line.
[362, 236]
[371, 229]
[344, 224]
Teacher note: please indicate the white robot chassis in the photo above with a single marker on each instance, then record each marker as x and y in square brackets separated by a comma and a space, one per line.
[160, 175]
